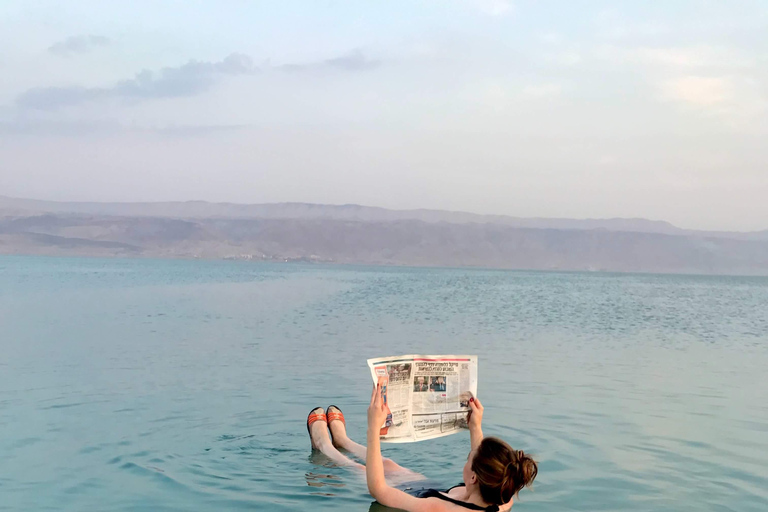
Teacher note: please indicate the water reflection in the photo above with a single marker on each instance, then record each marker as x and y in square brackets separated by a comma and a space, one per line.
[326, 480]
[323, 480]
[378, 507]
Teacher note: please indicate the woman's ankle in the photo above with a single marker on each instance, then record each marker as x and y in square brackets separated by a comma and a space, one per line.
[339, 439]
[338, 433]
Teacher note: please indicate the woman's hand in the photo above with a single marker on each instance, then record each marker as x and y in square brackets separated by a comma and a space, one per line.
[377, 415]
[475, 421]
[475, 414]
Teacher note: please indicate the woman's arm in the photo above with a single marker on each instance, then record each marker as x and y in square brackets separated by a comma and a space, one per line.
[374, 467]
[475, 421]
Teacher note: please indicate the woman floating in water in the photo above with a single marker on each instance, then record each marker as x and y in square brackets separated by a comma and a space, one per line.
[493, 473]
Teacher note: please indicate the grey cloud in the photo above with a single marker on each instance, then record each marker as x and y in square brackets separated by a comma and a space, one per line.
[189, 79]
[192, 78]
[78, 44]
[355, 60]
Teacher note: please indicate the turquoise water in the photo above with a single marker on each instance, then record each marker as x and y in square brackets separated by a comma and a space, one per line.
[184, 385]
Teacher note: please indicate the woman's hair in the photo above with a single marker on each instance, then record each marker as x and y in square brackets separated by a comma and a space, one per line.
[501, 471]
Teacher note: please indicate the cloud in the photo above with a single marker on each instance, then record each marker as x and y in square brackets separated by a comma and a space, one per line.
[698, 90]
[78, 44]
[736, 100]
[355, 60]
[190, 79]
[714, 79]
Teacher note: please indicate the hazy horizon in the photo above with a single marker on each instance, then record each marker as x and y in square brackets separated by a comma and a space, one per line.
[365, 206]
[578, 110]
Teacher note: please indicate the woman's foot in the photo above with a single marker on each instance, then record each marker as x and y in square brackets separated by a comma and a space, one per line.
[317, 426]
[337, 426]
[333, 418]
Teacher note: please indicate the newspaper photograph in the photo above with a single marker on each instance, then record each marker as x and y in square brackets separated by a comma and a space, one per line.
[425, 396]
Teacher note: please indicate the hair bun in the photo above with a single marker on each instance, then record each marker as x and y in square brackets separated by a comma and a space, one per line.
[528, 468]
[501, 470]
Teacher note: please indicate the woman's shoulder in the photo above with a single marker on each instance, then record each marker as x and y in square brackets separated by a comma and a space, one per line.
[455, 492]
[435, 504]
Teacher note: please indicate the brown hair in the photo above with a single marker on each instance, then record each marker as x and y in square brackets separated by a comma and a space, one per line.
[502, 471]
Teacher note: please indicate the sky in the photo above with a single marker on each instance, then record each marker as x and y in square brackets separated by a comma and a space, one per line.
[578, 109]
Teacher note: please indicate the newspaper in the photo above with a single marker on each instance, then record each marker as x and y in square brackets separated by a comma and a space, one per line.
[426, 396]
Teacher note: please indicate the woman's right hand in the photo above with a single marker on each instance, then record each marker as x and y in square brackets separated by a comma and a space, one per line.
[475, 414]
[376, 412]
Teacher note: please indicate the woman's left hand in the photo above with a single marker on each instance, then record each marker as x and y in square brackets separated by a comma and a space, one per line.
[377, 415]
[475, 415]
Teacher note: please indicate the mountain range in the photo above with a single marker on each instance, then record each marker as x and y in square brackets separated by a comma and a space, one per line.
[370, 235]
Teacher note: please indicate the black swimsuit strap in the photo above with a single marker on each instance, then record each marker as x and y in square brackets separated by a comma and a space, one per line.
[434, 493]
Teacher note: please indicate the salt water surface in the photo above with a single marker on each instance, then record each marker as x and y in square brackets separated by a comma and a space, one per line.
[130, 385]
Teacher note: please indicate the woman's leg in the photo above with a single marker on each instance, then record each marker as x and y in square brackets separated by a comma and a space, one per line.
[341, 440]
[318, 433]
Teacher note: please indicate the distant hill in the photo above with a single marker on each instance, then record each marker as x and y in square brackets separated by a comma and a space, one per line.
[359, 234]
[202, 209]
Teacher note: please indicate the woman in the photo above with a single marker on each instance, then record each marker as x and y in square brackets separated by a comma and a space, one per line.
[492, 475]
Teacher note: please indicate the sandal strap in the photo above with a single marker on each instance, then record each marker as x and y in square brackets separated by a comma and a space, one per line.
[336, 416]
[318, 416]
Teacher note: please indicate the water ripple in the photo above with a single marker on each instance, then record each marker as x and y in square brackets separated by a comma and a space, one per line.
[142, 385]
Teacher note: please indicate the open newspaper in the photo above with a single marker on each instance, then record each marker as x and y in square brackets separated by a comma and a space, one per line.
[426, 396]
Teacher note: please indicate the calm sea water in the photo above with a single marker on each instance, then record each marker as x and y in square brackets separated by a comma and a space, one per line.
[181, 385]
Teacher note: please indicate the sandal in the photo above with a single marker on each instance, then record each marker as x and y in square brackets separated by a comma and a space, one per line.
[313, 417]
[332, 416]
